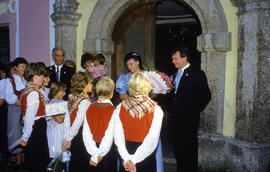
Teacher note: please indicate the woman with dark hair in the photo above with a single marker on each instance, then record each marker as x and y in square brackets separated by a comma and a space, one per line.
[14, 86]
[133, 62]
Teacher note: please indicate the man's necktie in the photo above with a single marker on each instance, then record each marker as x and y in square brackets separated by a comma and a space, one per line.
[57, 74]
[177, 80]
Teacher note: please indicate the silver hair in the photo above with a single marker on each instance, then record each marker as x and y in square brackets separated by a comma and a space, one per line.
[57, 48]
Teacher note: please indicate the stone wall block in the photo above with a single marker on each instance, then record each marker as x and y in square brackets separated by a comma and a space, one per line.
[66, 18]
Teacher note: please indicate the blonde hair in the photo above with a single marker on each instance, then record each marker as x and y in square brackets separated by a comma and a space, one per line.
[104, 87]
[79, 81]
[55, 88]
[139, 84]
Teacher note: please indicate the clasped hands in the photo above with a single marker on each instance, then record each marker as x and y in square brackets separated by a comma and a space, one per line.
[129, 166]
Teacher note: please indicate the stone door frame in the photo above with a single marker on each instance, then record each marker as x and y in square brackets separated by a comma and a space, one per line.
[213, 43]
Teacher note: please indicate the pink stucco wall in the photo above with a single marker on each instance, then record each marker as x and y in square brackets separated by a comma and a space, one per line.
[34, 30]
[9, 19]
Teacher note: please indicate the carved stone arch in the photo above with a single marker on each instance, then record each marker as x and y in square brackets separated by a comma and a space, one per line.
[213, 44]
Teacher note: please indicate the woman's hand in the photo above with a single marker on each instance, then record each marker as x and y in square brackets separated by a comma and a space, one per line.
[92, 163]
[23, 143]
[18, 102]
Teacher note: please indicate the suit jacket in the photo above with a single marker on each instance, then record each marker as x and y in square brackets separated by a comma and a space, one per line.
[192, 96]
[66, 74]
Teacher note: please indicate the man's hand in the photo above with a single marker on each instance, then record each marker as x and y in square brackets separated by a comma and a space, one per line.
[23, 143]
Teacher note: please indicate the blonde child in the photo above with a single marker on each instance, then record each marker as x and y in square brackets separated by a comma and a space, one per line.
[34, 131]
[99, 68]
[98, 128]
[81, 85]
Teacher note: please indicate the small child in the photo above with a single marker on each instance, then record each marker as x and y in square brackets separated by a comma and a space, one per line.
[81, 85]
[98, 128]
[87, 61]
[33, 111]
[99, 68]
[56, 127]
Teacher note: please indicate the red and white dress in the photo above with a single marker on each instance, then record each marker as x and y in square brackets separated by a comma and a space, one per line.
[34, 130]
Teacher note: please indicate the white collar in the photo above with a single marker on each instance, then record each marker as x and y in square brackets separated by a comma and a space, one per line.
[60, 66]
[104, 101]
[184, 68]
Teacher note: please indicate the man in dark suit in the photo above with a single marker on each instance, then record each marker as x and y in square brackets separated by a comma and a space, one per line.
[189, 98]
[59, 72]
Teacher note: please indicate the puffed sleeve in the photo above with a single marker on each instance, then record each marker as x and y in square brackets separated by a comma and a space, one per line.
[119, 137]
[83, 106]
[150, 142]
[30, 114]
[122, 84]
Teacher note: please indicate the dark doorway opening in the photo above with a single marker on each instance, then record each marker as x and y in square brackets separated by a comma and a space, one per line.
[176, 24]
[4, 44]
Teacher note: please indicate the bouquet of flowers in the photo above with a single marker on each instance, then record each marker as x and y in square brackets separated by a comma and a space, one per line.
[160, 81]
[60, 163]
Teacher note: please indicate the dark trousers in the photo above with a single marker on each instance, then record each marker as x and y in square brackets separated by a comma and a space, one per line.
[185, 143]
[147, 165]
[37, 151]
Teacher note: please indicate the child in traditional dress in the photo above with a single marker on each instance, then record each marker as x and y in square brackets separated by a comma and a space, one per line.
[81, 85]
[14, 86]
[57, 129]
[98, 128]
[137, 126]
[34, 136]
[99, 68]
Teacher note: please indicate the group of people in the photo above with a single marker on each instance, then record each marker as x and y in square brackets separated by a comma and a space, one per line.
[99, 135]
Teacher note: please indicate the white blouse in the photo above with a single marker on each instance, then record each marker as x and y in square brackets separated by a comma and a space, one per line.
[11, 97]
[106, 142]
[149, 143]
[30, 114]
[2, 88]
[77, 123]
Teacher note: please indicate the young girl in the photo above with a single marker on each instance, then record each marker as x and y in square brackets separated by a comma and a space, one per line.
[14, 86]
[57, 129]
[81, 85]
[137, 126]
[34, 136]
[98, 128]
[99, 68]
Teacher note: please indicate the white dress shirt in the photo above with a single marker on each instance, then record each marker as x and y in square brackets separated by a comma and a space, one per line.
[77, 123]
[149, 143]
[11, 97]
[106, 142]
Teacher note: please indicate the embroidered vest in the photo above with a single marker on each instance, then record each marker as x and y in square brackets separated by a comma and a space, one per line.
[135, 129]
[41, 107]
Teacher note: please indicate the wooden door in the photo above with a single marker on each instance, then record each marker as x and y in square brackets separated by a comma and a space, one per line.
[134, 31]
